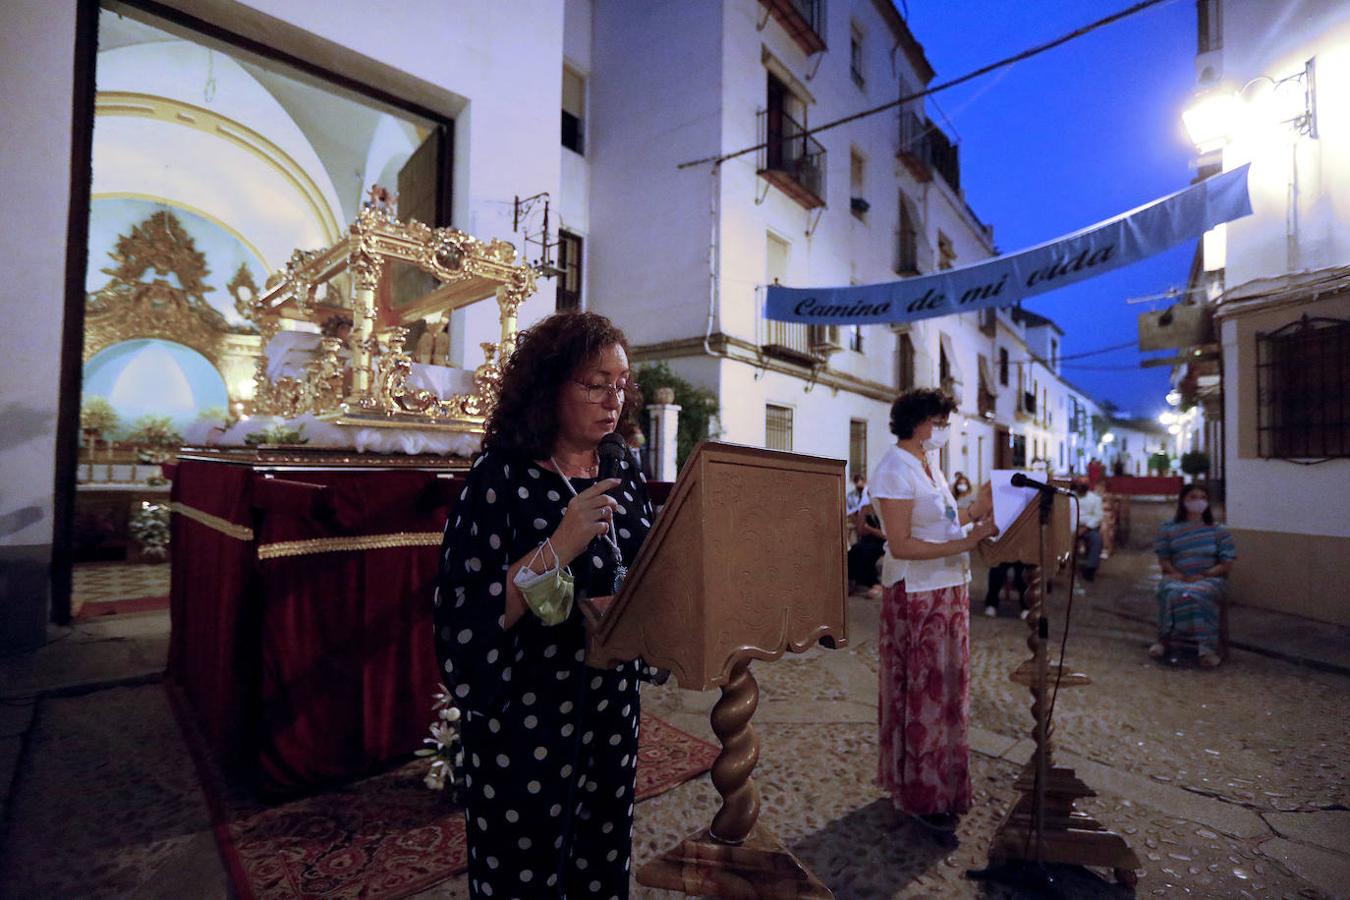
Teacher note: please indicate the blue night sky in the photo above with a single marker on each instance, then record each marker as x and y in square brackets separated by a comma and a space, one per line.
[1078, 134]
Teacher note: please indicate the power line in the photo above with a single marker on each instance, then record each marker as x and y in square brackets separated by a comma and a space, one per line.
[1018, 57]
[1111, 349]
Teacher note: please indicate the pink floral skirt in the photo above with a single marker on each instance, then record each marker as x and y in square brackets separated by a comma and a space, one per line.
[923, 709]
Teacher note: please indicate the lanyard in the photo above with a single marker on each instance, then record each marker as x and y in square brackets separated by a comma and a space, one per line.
[609, 532]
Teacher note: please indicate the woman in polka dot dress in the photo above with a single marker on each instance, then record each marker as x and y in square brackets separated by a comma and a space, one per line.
[550, 744]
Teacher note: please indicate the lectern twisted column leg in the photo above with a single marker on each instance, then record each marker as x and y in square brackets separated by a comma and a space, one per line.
[740, 752]
[736, 857]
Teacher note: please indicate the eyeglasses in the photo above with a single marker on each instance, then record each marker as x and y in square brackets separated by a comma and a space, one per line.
[598, 393]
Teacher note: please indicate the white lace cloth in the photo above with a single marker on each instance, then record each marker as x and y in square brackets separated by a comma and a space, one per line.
[327, 436]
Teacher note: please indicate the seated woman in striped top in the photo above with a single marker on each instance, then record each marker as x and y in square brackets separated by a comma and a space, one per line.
[1196, 556]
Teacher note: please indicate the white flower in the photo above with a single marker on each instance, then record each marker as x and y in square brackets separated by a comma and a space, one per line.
[433, 781]
[451, 714]
[444, 734]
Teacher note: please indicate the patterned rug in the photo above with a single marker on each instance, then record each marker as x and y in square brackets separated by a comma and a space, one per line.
[128, 606]
[101, 589]
[387, 836]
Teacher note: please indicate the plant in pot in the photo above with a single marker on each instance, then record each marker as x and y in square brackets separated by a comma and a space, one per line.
[1159, 463]
[1195, 463]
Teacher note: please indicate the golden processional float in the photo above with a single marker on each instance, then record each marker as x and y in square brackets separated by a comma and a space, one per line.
[367, 293]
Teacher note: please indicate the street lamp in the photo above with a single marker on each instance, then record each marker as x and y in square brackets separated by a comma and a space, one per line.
[1173, 398]
[1218, 115]
[1212, 119]
[1167, 418]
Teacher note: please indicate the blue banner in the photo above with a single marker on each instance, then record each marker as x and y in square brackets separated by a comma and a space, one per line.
[1003, 280]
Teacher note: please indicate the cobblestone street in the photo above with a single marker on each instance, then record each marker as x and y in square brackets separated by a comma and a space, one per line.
[1227, 783]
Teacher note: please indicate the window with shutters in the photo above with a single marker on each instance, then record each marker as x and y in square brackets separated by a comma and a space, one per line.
[777, 427]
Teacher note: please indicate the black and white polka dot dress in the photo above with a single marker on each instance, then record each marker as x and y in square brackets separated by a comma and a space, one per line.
[550, 745]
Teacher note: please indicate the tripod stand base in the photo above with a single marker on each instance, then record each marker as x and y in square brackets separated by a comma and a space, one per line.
[1067, 836]
[759, 866]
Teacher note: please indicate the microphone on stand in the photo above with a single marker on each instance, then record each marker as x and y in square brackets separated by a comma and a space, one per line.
[1021, 480]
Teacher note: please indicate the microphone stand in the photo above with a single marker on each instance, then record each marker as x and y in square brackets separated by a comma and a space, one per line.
[1043, 826]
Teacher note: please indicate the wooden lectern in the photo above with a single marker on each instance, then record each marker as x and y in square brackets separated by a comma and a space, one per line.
[745, 562]
[1043, 826]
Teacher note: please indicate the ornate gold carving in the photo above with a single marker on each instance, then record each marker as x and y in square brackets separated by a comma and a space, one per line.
[130, 308]
[282, 549]
[243, 289]
[469, 270]
[215, 523]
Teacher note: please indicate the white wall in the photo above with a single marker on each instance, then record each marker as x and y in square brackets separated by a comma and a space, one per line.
[653, 95]
[1262, 40]
[37, 44]
[1276, 494]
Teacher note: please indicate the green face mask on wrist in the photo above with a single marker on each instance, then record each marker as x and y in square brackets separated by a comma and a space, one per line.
[548, 594]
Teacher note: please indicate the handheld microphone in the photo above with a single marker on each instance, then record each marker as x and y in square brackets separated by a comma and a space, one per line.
[612, 450]
[1021, 480]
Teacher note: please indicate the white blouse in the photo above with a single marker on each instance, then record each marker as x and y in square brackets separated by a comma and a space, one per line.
[900, 476]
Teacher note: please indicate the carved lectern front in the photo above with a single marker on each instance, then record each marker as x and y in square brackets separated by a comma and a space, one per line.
[745, 562]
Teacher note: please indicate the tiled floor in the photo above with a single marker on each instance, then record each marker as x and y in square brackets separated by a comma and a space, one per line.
[101, 582]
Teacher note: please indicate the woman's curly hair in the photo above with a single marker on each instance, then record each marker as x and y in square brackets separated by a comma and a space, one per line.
[912, 408]
[525, 420]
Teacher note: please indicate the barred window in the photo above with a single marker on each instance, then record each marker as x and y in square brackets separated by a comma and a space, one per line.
[857, 447]
[904, 364]
[569, 261]
[1303, 407]
[777, 427]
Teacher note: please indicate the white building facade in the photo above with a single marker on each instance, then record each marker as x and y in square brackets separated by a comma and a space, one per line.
[679, 255]
[1273, 87]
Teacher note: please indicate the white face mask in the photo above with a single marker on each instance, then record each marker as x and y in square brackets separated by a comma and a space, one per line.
[938, 440]
[1197, 506]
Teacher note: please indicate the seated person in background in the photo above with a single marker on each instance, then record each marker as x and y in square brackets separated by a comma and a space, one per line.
[961, 491]
[853, 501]
[1090, 512]
[864, 555]
[998, 577]
[1196, 556]
[856, 498]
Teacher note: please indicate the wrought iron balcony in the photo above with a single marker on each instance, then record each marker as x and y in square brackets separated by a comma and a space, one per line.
[790, 159]
[924, 149]
[803, 20]
[792, 341]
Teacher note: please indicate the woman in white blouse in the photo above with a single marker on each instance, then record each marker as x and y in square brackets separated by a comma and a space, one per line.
[924, 699]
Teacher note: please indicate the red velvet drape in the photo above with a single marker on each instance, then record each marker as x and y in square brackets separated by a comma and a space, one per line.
[329, 668]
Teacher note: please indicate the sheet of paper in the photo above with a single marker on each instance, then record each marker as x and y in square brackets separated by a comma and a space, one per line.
[1009, 501]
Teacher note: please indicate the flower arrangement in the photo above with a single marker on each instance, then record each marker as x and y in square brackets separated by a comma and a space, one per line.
[447, 756]
[155, 433]
[97, 416]
[277, 434]
[149, 525]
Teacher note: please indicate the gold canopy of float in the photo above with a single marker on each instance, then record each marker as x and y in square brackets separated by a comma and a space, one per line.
[379, 281]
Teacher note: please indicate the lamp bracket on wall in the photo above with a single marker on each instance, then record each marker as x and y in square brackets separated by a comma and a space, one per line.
[815, 222]
[819, 55]
[543, 237]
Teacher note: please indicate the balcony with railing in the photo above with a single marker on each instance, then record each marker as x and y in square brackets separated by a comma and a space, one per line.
[924, 149]
[803, 20]
[797, 342]
[790, 159]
